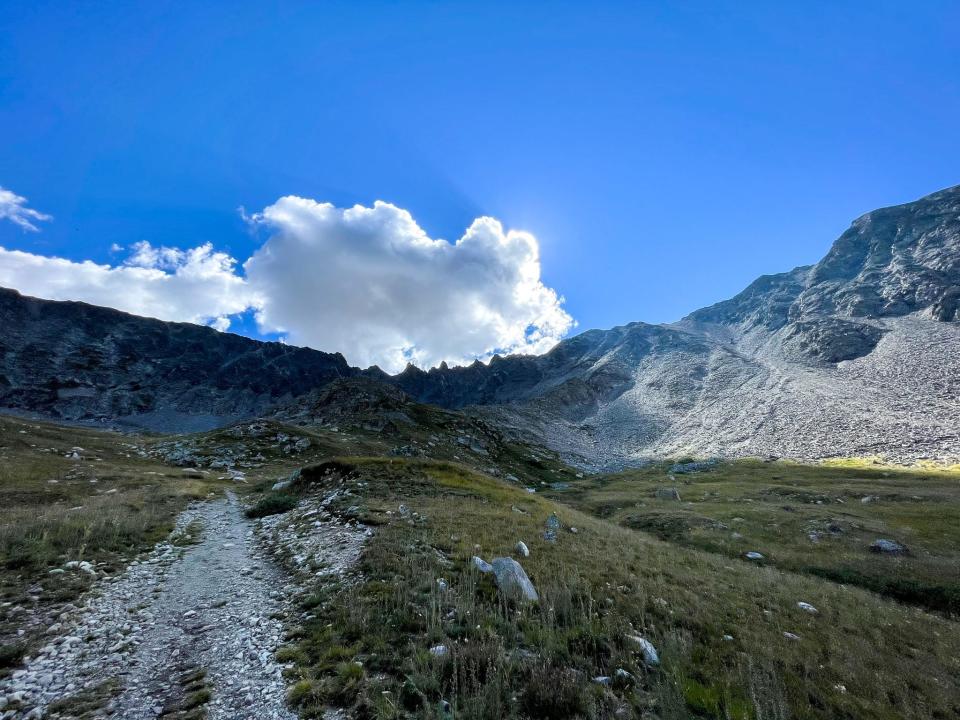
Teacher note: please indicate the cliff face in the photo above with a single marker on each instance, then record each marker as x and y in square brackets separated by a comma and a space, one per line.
[80, 362]
[858, 354]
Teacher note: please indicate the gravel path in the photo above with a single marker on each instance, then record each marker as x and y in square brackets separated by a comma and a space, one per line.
[181, 624]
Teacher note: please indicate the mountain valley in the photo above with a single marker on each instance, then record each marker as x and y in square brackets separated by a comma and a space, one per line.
[750, 513]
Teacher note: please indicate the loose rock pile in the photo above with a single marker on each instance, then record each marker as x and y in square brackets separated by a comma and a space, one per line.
[312, 542]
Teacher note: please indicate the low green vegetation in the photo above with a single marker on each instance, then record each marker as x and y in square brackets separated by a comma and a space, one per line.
[272, 503]
[423, 634]
[818, 520]
[418, 631]
[87, 702]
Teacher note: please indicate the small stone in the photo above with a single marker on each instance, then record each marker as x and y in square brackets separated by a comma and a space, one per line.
[667, 493]
[522, 549]
[553, 526]
[807, 607]
[439, 651]
[753, 555]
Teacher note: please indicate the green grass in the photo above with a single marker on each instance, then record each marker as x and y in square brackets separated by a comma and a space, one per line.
[884, 644]
[802, 518]
[367, 646]
[273, 503]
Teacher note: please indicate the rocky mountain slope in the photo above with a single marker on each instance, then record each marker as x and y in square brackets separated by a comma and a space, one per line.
[74, 361]
[856, 355]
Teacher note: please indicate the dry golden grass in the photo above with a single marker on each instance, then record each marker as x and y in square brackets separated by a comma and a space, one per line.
[102, 507]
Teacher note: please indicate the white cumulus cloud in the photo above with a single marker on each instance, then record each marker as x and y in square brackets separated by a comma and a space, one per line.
[197, 285]
[14, 208]
[364, 281]
[370, 283]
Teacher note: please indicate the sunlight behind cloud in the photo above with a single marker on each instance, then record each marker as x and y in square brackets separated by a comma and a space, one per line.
[372, 284]
[364, 281]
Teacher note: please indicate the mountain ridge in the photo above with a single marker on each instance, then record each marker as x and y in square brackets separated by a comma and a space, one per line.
[800, 363]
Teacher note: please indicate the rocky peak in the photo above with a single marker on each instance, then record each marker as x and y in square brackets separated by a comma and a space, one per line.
[892, 262]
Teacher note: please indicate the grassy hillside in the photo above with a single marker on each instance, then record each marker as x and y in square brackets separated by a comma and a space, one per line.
[733, 641]
[438, 489]
[814, 519]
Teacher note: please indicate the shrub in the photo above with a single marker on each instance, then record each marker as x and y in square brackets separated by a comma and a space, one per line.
[10, 655]
[552, 692]
[272, 504]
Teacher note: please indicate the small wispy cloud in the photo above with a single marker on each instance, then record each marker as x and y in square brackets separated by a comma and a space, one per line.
[14, 208]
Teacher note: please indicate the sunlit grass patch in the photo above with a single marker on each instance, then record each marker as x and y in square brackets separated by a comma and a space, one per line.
[811, 518]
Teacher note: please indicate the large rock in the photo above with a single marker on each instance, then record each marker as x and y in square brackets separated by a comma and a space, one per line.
[512, 580]
[646, 649]
[887, 547]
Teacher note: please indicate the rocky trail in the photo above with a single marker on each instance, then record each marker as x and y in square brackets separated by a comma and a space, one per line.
[191, 627]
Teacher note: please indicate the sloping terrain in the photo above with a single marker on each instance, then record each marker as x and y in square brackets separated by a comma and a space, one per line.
[856, 355]
[356, 586]
[74, 361]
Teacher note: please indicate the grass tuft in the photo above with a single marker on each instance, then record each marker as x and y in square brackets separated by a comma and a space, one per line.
[274, 503]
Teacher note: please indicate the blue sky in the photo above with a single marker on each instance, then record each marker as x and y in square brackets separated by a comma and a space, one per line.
[663, 155]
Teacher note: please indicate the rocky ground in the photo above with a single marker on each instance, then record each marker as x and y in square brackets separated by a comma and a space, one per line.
[191, 628]
[311, 543]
